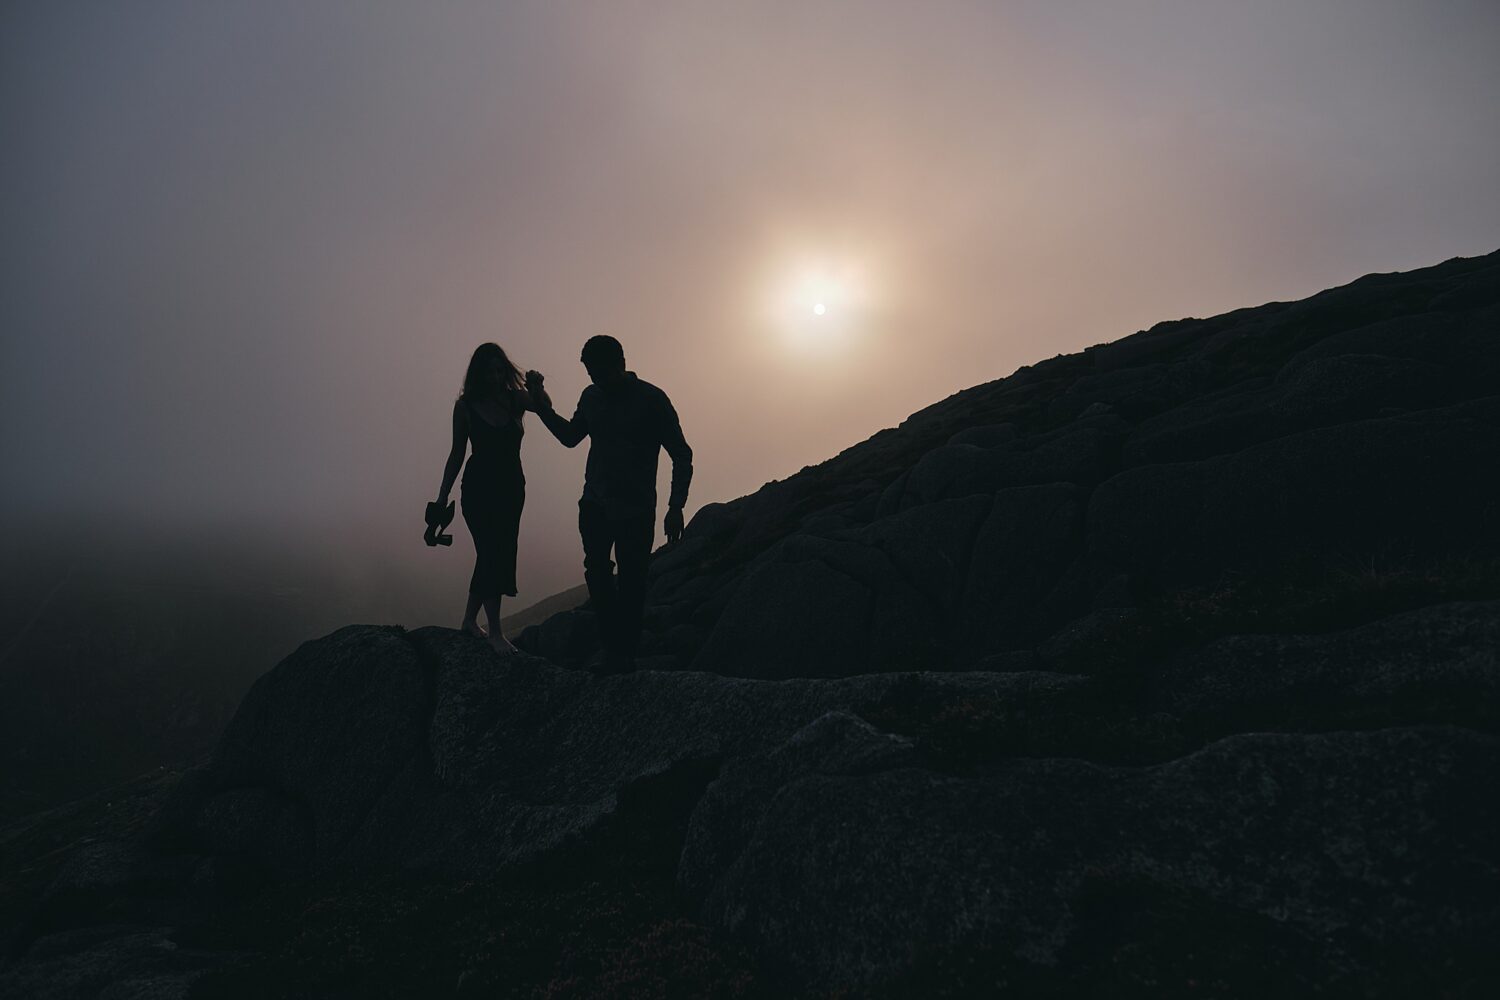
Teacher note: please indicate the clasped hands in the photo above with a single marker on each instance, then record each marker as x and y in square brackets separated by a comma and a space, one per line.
[538, 392]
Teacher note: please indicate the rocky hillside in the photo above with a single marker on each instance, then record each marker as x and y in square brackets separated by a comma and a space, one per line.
[1351, 433]
[1171, 668]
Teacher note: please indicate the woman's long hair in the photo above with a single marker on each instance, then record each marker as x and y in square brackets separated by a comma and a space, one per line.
[491, 374]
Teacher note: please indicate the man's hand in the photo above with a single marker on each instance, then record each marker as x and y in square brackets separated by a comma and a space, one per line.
[672, 525]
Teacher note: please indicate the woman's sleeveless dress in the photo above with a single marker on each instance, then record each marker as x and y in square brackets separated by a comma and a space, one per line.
[492, 495]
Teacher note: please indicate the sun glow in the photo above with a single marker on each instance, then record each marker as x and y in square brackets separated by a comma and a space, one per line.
[819, 306]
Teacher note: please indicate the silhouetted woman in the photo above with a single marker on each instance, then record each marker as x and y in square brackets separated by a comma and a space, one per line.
[488, 415]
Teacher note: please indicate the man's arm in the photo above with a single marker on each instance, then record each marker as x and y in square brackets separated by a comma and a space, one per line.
[682, 468]
[569, 432]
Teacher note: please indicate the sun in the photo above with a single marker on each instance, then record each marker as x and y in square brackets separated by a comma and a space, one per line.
[821, 290]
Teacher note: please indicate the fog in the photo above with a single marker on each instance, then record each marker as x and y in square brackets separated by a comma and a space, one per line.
[249, 247]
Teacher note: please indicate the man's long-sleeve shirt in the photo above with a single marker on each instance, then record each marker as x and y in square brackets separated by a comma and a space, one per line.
[627, 425]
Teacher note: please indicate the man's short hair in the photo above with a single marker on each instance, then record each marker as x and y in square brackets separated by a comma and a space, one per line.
[604, 351]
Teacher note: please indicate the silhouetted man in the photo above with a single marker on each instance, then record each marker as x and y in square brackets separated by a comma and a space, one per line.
[628, 421]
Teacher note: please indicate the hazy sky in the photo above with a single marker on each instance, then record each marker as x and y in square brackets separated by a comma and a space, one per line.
[248, 247]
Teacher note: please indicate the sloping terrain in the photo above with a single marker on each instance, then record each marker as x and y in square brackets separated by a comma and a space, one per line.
[1353, 432]
[1171, 668]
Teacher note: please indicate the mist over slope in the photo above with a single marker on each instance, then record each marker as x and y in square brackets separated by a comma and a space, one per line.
[124, 648]
[1165, 667]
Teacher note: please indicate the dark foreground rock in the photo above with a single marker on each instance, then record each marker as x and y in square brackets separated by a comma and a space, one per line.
[885, 833]
[1360, 862]
[438, 756]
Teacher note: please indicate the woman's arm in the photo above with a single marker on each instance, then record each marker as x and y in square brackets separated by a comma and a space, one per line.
[456, 452]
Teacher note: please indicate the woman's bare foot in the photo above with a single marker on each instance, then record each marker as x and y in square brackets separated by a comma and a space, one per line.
[475, 629]
[502, 645]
